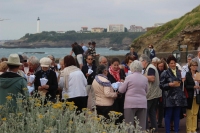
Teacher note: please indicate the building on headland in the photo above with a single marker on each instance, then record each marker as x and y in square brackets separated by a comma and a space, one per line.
[115, 28]
[134, 28]
[158, 24]
[60, 32]
[97, 30]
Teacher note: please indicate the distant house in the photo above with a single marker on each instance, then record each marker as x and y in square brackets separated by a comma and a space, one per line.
[134, 28]
[97, 30]
[60, 31]
[115, 28]
[158, 24]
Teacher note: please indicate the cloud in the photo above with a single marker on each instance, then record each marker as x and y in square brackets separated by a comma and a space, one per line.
[73, 14]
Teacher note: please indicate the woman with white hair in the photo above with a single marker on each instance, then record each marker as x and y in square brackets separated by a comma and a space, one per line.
[135, 103]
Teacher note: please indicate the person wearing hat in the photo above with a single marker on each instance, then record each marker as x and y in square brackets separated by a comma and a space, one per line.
[92, 51]
[52, 84]
[12, 83]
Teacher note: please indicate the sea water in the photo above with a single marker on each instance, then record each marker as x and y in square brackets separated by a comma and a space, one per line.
[57, 52]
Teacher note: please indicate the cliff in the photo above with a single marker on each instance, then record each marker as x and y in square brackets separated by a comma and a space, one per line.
[182, 31]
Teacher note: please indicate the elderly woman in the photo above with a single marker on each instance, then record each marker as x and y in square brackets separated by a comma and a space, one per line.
[74, 83]
[192, 87]
[155, 61]
[104, 93]
[172, 94]
[52, 84]
[135, 103]
[61, 77]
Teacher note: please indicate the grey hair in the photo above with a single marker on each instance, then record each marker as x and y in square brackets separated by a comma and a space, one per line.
[100, 69]
[190, 56]
[51, 56]
[155, 59]
[61, 59]
[136, 66]
[144, 57]
[101, 57]
[34, 60]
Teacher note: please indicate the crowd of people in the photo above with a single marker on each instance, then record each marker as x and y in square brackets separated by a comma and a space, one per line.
[149, 88]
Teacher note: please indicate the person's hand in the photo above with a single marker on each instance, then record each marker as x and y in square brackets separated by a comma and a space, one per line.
[29, 84]
[45, 86]
[183, 79]
[196, 87]
[174, 84]
[40, 88]
[87, 74]
[184, 115]
[121, 66]
[121, 80]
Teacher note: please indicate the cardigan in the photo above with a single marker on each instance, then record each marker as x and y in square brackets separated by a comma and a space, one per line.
[136, 91]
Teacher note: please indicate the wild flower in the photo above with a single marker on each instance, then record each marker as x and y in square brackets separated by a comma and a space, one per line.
[9, 97]
[33, 115]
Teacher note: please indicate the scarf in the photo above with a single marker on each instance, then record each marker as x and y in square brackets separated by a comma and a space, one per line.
[108, 84]
[114, 73]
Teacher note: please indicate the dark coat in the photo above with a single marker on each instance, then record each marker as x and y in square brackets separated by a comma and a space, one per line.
[113, 80]
[172, 96]
[189, 85]
[118, 104]
[52, 82]
[91, 77]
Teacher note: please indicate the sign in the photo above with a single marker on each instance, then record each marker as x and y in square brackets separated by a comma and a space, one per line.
[183, 46]
[177, 55]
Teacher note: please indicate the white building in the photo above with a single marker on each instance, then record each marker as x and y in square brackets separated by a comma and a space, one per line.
[97, 30]
[158, 24]
[115, 28]
[134, 28]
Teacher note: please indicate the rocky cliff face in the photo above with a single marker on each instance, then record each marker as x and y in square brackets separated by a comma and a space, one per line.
[188, 36]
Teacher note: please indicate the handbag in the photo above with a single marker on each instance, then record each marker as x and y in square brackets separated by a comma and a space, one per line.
[197, 98]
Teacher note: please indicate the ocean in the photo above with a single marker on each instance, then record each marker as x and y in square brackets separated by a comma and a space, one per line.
[57, 52]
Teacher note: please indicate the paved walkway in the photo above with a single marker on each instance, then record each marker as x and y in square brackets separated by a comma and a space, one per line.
[182, 127]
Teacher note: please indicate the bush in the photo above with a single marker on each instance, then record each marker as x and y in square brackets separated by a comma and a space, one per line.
[33, 116]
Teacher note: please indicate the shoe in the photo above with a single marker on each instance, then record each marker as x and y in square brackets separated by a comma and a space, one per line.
[160, 126]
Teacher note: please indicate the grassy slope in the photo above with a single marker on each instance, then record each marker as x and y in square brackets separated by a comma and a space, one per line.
[173, 27]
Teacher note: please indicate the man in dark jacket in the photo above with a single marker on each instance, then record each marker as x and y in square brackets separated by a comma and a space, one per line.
[11, 83]
[90, 77]
[133, 53]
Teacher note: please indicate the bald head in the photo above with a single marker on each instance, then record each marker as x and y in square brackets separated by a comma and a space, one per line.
[103, 60]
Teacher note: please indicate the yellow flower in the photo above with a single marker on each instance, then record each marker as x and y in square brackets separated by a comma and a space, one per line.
[25, 89]
[37, 104]
[40, 116]
[70, 103]
[57, 105]
[70, 122]
[1, 106]
[84, 109]
[8, 97]
[65, 96]
[53, 117]
[19, 114]
[47, 131]
[3, 119]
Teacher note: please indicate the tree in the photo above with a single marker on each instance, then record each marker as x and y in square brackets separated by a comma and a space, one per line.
[125, 29]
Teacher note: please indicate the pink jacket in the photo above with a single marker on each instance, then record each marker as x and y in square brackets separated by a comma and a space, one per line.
[104, 95]
[135, 86]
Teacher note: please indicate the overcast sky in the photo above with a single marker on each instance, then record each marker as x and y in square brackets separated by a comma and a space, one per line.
[64, 15]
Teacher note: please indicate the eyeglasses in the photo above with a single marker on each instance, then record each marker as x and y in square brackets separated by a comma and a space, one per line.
[90, 59]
